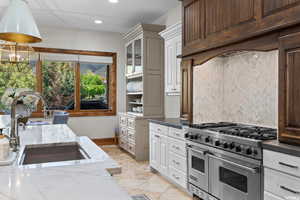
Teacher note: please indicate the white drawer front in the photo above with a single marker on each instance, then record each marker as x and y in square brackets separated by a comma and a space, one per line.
[123, 132]
[131, 123]
[178, 162]
[176, 133]
[123, 121]
[131, 136]
[131, 148]
[282, 162]
[269, 196]
[123, 143]
[157, 128]
[282, 185]
[177, 147]
[178, 177]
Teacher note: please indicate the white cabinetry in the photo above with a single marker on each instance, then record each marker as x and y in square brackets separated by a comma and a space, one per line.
[282, 176]
[134, 135]
[168, 154]
[173, 46]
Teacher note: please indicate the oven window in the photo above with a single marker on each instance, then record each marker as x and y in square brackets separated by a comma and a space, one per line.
[234, 179]
[198, 164]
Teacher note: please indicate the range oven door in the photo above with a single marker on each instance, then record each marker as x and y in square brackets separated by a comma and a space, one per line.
[198, 167]
[231, 180]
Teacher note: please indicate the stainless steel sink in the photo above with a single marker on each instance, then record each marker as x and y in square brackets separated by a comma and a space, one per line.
[47, 153]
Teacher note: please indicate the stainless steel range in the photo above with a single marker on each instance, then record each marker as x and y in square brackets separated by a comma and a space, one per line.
[225, 160]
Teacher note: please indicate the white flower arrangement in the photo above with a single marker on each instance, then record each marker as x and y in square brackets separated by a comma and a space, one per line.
[10, 93]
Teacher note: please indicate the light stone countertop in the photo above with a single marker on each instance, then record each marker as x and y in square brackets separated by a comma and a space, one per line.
[77, 180]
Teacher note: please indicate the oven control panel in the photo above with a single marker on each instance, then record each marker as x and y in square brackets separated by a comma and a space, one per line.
[234, 146]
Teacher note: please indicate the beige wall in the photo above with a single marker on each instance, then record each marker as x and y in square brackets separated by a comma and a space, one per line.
[239, 88]
[94, 127]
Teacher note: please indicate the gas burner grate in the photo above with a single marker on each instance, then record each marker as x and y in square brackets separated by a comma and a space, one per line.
[258, 133]
[212, 125]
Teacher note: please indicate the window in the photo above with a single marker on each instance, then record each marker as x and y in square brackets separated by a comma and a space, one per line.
[93, 86]
[81, 82]
[58, 84]
[16, 76]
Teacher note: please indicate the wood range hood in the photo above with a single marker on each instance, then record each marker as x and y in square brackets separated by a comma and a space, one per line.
[215, 27]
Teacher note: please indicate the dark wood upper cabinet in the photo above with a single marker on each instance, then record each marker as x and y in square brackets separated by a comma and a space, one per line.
[193, 21]
[273, 6]
[208, 24]
[221, 15]
[289, 89]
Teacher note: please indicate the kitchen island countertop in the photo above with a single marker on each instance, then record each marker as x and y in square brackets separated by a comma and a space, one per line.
[77, 180]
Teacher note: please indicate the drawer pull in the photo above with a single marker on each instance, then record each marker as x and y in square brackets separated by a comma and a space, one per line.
[176, 177]
[175, 147]
[157, 136]
[177, 163]
[177, 134]
[289, 190]
[288, 165]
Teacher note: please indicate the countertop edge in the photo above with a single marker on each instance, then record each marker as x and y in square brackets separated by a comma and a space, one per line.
[170, 122]
[279, 147]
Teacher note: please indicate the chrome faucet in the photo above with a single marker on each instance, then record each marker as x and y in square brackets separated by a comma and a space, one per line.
[14, 138]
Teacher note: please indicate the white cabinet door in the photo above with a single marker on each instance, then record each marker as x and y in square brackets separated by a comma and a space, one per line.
[176, 73]
[169, 61]
[172, 65]
[155, 151]
[164, 163]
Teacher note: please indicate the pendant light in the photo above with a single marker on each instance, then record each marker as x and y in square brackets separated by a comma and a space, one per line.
[18, 24]
[16, 53]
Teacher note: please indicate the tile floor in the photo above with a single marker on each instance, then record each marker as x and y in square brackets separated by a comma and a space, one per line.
[136, 178]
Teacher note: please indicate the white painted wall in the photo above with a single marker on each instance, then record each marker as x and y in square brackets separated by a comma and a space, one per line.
[93, 127]
[172, 103]
[173, 16]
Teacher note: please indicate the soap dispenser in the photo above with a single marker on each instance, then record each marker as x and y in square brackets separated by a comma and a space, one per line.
[4, 146]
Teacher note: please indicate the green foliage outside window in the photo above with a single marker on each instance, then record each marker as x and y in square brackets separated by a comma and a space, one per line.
[58, 83]
[16, 76]
[92, 85]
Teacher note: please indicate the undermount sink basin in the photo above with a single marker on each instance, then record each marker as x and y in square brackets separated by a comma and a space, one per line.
[46, 153]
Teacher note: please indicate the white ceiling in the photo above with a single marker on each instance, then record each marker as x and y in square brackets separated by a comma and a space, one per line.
[82, 13]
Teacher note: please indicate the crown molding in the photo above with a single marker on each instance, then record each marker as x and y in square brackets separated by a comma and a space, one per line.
[172, 31]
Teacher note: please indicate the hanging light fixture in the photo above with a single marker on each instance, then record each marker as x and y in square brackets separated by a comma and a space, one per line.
[16, 53]
[18, 24]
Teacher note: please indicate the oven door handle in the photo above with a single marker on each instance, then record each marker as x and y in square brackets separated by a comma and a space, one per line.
[253, 170]
[198, 151]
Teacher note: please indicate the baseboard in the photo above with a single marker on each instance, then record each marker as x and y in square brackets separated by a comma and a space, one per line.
[105, 141]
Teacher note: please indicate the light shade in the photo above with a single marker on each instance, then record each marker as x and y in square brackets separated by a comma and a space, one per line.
[18, 24]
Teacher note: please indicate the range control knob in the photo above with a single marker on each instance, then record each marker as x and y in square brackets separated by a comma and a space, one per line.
[232, 145]
[255, 152]
[225, 145]
[249, 151]
[194, 137]
[186, 135]
[207, 139]
[217, 143]
[238, 148]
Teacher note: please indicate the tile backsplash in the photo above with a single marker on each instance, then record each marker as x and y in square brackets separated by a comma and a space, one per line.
[242, 87]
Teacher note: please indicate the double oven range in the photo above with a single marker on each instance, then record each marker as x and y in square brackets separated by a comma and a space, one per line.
[225, 160]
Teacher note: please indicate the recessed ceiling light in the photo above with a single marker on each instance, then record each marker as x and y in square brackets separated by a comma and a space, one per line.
[97, 21]
[114, 1]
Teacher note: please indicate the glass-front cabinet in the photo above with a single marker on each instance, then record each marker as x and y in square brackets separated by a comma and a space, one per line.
[134, 58]
[129, 59]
